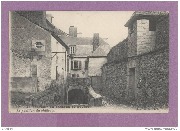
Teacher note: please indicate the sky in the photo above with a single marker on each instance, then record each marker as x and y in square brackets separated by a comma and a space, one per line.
[109, 24]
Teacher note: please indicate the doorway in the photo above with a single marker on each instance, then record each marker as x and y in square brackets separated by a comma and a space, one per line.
[77, 96]
[132, 82]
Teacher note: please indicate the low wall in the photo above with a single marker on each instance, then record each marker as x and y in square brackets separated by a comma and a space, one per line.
[153, 75]
[23, 84]
[114, 80]
[152, 84]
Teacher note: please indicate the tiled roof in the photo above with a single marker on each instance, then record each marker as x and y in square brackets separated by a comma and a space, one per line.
[118, 52]
[102, 50]
[76, 40]
[38, 18]
[150, 13]
[139, 14]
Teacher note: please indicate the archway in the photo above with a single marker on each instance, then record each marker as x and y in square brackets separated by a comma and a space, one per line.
[77, 96]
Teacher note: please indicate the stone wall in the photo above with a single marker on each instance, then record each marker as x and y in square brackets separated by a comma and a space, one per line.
[114, 73]
[152, 66]
[96, 83]
[52, 96]
[132, 40]
[149, 62]
[95, 64]
[43, 72]
[118, 52]
[22, 33]
[162, 32]
[114, 79]
[23, 84]
[153, 71]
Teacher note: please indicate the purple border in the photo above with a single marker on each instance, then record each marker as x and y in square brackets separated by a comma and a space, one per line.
[126, 120]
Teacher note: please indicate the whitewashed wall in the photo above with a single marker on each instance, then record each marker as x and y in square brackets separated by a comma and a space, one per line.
[95, 64]
[59, 60]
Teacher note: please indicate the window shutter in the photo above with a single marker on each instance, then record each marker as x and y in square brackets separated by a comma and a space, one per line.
[74, 49]
[71, 65]
[76, 65]
[86, 65]
[79, 64]
[70, 50]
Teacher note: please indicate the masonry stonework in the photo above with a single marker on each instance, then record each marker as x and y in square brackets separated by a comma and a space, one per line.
[118, 52]
[162, 32]
[153, 71]
[23, 32]
[132, 39]
[140, 77]
[114, 79]
[145, 38]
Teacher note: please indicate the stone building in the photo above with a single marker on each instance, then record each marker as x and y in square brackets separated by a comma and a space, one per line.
[85, 58]
[137, 68]
[31, 36]
[80, 49]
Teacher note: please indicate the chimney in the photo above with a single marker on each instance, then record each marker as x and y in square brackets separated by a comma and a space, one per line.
[73, 31]
[95, 41]
[49, 17]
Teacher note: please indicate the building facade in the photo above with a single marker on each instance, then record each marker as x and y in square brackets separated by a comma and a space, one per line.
[85, 58]
[30, 49]
[32, 37]
[59, 61]
[83, 49]
[137, 68]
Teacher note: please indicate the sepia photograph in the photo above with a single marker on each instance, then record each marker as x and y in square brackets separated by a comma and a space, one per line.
[89, 64]
[88, 61]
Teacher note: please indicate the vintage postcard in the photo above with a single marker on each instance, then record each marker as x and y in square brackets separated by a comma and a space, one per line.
[89, 61]
[89, 64]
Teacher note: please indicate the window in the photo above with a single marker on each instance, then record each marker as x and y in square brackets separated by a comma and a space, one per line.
[75, 65]
[73, 75]
[38, 45]
[152, 25]
[72, 49]
[34, 70]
